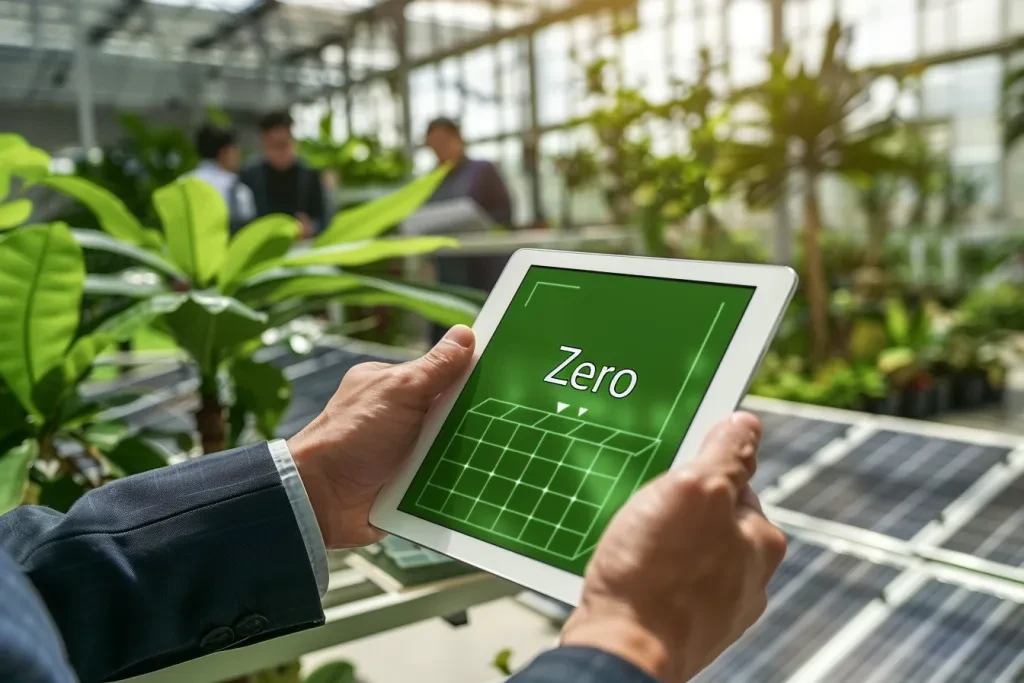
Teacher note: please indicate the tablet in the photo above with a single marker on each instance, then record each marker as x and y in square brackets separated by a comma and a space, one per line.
[592, 374]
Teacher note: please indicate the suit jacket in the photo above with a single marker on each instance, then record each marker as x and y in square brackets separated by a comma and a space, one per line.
[165, 566]
[309, 190]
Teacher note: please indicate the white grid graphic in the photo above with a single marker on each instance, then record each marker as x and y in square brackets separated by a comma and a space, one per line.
[558, 474]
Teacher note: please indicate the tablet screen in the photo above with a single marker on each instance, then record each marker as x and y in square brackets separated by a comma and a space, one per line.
[585, 391]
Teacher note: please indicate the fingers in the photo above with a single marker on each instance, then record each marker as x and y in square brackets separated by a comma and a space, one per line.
[434, 372]
[766, 539]
[730, 451]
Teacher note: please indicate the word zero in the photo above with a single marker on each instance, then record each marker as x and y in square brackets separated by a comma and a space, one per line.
[588, 371]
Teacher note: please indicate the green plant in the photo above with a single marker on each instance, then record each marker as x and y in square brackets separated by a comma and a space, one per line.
[1013, 107]
[333, 672]
[989, 313]
[639, 185]
[502, 662]
[50, 433]
[358, 161]
[806, 126]
[145, 158]
[230, 292]
[17, 159]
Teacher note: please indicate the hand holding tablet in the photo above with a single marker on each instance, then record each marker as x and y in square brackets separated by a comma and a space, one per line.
[592, 374]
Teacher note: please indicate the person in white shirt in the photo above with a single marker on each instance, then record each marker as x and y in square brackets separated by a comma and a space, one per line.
[221, 159]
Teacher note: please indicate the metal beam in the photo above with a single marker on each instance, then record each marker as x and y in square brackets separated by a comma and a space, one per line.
[230, 27]
[117, 18]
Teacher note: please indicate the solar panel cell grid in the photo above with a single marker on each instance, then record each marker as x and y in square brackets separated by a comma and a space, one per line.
[894, 483]
[944, 634]
[813, 595]
[788, 442]
[996, 532]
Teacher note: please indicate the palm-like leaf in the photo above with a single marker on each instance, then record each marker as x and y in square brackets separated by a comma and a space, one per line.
[361, 253]
[112, 214]
[41, 276]
[195, 220]
[256, 246]
[374, 218]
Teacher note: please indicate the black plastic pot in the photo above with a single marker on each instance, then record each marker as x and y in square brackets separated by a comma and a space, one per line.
[918, 403]
[943, 394]
[969, 387]
[889, 404]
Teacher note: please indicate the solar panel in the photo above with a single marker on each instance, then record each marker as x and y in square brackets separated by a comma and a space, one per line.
[815, 592]
[996, 532]
[894, 483]
[943, 634]
[790, 441]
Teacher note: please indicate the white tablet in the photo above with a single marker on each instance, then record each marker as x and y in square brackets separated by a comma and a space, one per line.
[592, 374]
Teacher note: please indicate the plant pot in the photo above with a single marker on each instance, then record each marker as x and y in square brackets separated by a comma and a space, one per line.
[918, 403]
[943, 394]
[885, 405]
[969, 389]
[994, 393]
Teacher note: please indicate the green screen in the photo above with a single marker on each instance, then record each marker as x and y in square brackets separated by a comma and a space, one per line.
[584, 393]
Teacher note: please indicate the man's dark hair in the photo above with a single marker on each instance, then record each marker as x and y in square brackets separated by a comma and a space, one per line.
[210, 140]
[444, 123]
[275, 119]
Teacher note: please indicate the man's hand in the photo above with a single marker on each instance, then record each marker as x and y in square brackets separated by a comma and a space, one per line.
[306, 225]
[360, 440]
[682, 570]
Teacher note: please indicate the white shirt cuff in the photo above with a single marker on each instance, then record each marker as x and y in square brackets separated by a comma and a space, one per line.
[304, 515]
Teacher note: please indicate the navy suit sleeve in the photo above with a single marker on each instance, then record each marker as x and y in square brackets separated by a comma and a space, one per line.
[161, 567]
[580, 665]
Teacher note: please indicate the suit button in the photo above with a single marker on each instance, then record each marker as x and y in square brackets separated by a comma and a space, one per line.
[217, 639]
[250, 625]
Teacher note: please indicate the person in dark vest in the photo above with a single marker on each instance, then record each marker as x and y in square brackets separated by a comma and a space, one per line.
[480, 181]
[280, 182]
[220, 159]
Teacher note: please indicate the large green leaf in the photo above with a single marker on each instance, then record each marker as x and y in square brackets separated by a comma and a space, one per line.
[195, 220]
[19, 158]
[373, 218]
[256, 245]
[41, 280]
[60, 494]
[9, 141]
[112, 214]
[133, 455]
[97, 241]
[13, 214]
[127, 284]
[264, 391]
[116, 328]
[333, 672]
[210, 326]
[441, 308]
[278, 284]
[368, 251]
[14, 466]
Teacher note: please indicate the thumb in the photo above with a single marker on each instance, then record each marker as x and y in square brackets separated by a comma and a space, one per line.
[434, 372]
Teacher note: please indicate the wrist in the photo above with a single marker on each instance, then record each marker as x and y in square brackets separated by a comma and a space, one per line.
[625, 638]
[317, 488]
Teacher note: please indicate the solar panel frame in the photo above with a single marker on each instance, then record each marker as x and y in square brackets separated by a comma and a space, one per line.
[862, 489]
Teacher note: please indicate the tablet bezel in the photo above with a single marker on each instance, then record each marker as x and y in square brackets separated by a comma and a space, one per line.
[774, 287]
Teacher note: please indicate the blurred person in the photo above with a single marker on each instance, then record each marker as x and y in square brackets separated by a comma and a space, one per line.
[229, 549]
[220, 159]
[280, 181]
[474, 179]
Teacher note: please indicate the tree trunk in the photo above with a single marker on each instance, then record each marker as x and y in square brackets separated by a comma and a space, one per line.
[710, 229]
[210, 421]
[816, 286]
[878, 231]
